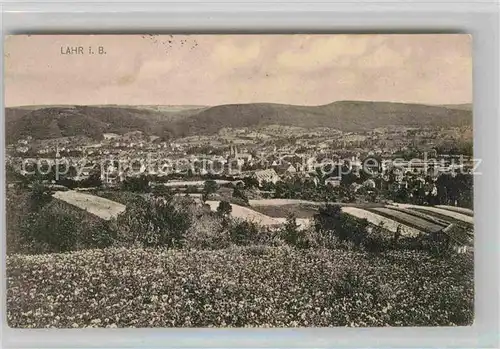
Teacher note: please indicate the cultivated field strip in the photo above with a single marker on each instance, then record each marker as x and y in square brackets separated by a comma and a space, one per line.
[246, 213]
[192, 183]
[388, 224]
[101, 207]
[407, 219]
[282, 202]
[442, 212]
[465, 211]
[298, 210]
[442, 222]
[462, 224]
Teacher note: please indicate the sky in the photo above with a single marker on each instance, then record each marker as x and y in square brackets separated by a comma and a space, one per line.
[223, 69]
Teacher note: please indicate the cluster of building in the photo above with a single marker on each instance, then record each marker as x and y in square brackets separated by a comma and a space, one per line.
[117, 157]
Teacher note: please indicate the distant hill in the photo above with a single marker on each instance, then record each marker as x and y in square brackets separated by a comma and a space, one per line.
[171, 121]
[344, 115]
[65, 121]
[465, 106]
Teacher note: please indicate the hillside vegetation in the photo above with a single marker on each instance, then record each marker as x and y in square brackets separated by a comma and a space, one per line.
[344, 115]
[179, 264]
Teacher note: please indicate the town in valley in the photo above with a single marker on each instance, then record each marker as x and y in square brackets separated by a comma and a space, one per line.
[239, 181]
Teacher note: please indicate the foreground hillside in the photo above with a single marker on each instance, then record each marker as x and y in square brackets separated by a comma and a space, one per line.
[238, 286]
[168, 261]
[93, 121]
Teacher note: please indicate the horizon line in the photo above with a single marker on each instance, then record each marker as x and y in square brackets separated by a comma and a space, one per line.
[215, 105]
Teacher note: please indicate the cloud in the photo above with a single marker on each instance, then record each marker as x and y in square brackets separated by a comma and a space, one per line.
[384, 56]
[230, 56]
[326, 51]
[214, 69]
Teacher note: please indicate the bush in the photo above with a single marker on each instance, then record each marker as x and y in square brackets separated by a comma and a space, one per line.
[330, 221]
[17, 210]
[48, 225]
[40, 196]
[224, 208]
[294, 236]
[137, 184]
[210, 187]
[52, 229]
[59, 227]
[207, 233]
[240, 194]
[98, 233]
[290, 231]
[243, 232]
[376, 240]
[154, 222]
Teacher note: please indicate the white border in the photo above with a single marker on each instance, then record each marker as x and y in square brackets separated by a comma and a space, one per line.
[479, 18]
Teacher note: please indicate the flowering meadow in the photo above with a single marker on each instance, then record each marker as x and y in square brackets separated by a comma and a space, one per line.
[239, 286]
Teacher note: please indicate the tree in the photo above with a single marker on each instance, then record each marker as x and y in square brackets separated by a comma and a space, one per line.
[331, 221]
[251, 182]
[240, 194]
[348, 178]
[210, 187]
[40, 196]
[72, 172]
[94, 180]
[163, 191]
[137, 184]
[401, 195]
[224, 208]
[291, 233]
[244, 232]
[327, 218]
[11, 175]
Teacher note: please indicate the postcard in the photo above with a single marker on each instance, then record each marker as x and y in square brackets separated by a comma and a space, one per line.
[287, 180]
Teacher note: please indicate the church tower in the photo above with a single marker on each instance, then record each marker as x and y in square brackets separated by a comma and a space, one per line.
[58, 155]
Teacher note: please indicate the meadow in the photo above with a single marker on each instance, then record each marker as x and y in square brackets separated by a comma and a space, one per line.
[253, 286]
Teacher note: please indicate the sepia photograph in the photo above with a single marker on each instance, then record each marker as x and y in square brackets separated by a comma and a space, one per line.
[242, 180]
